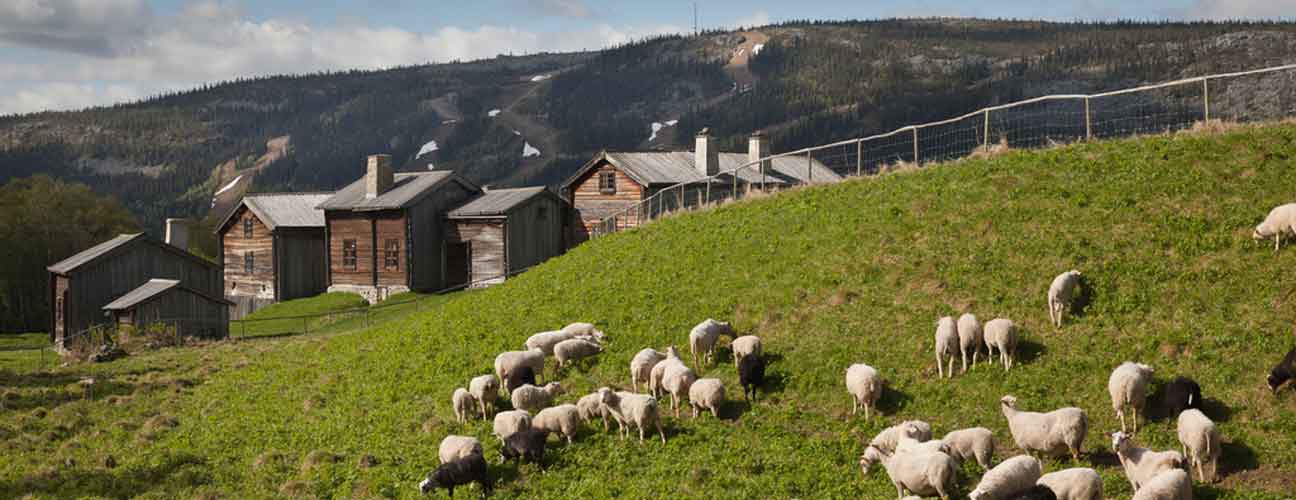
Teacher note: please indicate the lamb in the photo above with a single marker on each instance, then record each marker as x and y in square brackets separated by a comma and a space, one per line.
[1011, 477]
[1142, 464]
[532, 398]
[1080, 483]
[677, 379]
[456, 473]
[703, 338]
[641, 366]
[518, 377]
[921, 473]
[707, 394]
[659, 370]
[974, 443]
[1001, 334]
[629, 408]
[508, 423]
[563, 419]
[1128, 388]
[1283, 371]
[947, 344]
[865, 385]
[463, 403]
[575, 349]
[751, 374]
[1280, 221]
[1037, 492]
[1053, 433]
[509, 361]
[456, 447]
[486, 390]
[1060, 294]
[1181, 394]
[1169, 485]
[1201, 442]
[526, 444]
[591, 407]
[887, 440]
[744, 346]
[970, 338]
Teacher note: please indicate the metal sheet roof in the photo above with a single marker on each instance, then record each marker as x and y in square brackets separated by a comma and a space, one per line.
[86, 256]
[678, 166]
[152, 288]
[407, 188]
[289, 210]
[496, 202]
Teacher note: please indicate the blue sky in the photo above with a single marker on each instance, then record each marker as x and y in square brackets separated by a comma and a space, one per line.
[68, 54]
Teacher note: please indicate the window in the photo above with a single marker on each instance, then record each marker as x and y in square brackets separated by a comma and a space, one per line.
[247, 227]
[607, 182]
[349, 254]
[249, 263]
[391, 255]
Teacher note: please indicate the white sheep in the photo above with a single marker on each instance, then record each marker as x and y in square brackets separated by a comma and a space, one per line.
[486, 389]
[545, 341]
[1201, 442]
[921, 473]
[947, 344]
[658, 370]
[510, 422]
[970, 338]
[677, 379]
[745, 345]
[1281, 221]
[1060, 294]
[887, 440]
[629, 408]
[1080, 483]
[531, 398]
[590, 407]
[508, 361]
[1001, 334]
[1128, 388]
[911, 445]
[562, 419]
[1142, 464]
[703, 338]
[976, 443]
[1054, 433]
[1010, 477]
[463, 403]
[865, 386]
[574, 349]
[1172, 484]
[456, 447]
[641, 366]
[706, 394]
[583, 329]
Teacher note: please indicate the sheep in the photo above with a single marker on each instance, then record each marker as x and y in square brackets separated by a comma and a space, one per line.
[865, 385]
[1169, 485]
[574, 349]
[563, 419]
[486, 390]
[1037, 492]
[583, 330]
[1201, 442]
[706, 394]
[456, 447]
[973, 443]
[1080, 483]
[970, 338]
[508, 423]
[1001, 334]
[887, 440]
[526, 444]
[911, 445]
[676, 380]
[703, 337]
[947, 344]
[532, 398]
[590, 407]
[655, 376]
[1128, 388]
[509, 361]
[1142, 464]
[1011, 477]
[518, 377]
[744, 346]
[922, 473]
[1280, 221]
[1181, 394]
[751, 374]
[641, 366]
[629, 408]
[456, 473]
[1060, 294]
[1283, 371]
[1053, 433]
[545, 341]
[463, 403]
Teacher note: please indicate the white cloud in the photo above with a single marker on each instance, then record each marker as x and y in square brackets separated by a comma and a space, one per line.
[563, 8]
[91, 27]
[62, 95]
[754, 20]
[1242, 9]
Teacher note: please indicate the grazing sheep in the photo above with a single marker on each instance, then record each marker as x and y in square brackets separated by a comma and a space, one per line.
[1142, 464]
[1283, 371]
[575, 349]
[463, 403]
[526, 444]
[532, 398]
[1201, 443]
[947, 344]
[707, 394]
[518, 377]
[1181, 394]
[676, 381]
[744, 346]
[562, 419]
[865, 385]
[975, 443]
[641, 366]
[751, 374]
[911, 445]
[1054, 433]
[457, 473]
[1080, 483]
[970, 338]
[486, 390]
[1001, 334]
[456, 447]
[545, 341]
[1281, 221]
[659, 370]
[590, 407]
[584, 330]
[1169, 485]
[1011, 477]
[921, 473]
[508, 362]
[703, 338]
[508, 423]
[1037, 492]
[629, 408]
[1060, 294]
[1128, 388]
[887, 440]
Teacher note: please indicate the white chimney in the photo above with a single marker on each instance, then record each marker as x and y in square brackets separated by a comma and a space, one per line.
[379, 177]
[177, 233]
[758, 148]
[706, 159]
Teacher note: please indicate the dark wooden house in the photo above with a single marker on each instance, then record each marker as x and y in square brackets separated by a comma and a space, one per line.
[161, 301]
[386, 231]
[272, 248]
[502, 232]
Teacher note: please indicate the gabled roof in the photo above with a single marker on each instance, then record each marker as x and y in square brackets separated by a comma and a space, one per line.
[151, 290]
[673, 167]
[498, 202]
[408, 189]
[90, 254]
[282, 210]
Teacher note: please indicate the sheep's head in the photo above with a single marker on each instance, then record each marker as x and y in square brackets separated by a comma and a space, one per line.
[1145, 368]
[1120, 441]
[977, 494]
[554, 388]
[1275, 381]
[1260, 233]
[607, 396]
[672, 352]
[1008, 402]
[434, 480]
[1074, 272]
[872, 456]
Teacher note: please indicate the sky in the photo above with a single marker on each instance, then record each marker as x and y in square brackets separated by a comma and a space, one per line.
[71, 54]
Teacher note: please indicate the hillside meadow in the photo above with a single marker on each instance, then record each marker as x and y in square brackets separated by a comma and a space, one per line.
[827, 276]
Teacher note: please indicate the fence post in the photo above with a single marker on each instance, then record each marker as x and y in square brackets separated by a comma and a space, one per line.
[305, 326]
[709, 181]
[985, 137]
[1206, 96]
[859, 158]
[809, 168]
[915, 141]
[1088, 121]
[734, 193]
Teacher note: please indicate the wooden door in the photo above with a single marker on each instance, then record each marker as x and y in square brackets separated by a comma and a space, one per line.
[458, 264]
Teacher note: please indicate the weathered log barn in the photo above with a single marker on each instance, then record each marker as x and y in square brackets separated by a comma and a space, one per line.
[160, 300]
[502, 232]
[272, 248]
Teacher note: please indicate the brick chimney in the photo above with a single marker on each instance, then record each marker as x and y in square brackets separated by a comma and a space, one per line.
[706, 159]
[757, 148]
[177, 233]
[379, 177]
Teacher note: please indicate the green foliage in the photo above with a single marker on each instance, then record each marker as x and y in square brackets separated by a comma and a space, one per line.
[286, 317]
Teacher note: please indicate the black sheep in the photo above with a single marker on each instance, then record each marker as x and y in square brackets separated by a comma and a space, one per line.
[1282, 372]
[518, 377]
[751, 374]
[1181, 394]
[457, 473]
[526, 444]
[1037, 492]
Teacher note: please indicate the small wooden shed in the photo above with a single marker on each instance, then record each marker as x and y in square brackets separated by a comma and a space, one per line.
[502, 232]
[191, 312]
[272, 248]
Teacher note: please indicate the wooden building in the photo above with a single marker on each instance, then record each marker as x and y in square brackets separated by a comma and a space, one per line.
[272, 248]
[385, 231]
[159, 301]
[502, 232]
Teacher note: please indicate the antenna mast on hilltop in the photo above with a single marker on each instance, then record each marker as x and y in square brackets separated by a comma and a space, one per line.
[695, 26]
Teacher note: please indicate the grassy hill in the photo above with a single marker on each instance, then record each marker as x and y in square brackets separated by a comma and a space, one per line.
[857, 272]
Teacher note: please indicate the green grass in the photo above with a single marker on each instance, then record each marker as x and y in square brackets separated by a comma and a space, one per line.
[22, 351]
[857, 272]
[286, 317]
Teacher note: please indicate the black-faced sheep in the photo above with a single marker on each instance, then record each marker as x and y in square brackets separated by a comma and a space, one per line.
[457, 473]
[525, 444]
[1282, 372]
[751, 375]
[1181, 394]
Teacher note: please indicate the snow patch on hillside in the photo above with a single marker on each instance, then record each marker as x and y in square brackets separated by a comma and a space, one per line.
[229, 186]
[427, 148]
[657, 126]
[540, 78]
[756, 49]
[528, 150]
[493, 113]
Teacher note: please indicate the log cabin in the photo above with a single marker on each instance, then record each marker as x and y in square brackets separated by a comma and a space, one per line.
[272, 249]
[501, 233]
[163, 301]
